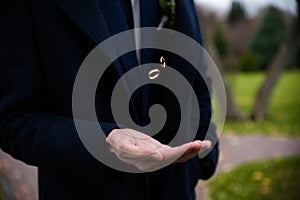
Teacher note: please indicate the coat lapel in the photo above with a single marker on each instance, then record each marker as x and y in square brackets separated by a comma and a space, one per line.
[149, 18]
[149, 13]
[87, 16]
[99, 20]
[186, 19]
[114, 14]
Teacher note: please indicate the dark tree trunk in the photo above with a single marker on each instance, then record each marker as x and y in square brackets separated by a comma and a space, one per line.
[274, 72]
[233, 112]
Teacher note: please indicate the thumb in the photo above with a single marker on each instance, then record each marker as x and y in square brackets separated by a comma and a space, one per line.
[176, 152]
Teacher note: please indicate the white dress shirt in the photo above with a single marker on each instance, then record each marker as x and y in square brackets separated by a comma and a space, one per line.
[137, 24]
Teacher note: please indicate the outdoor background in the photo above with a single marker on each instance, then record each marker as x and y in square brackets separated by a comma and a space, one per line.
[255, 44]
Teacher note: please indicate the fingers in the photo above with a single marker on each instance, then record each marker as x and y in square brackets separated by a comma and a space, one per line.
[206, 144]
[186, 157]
[176, 152]
[191, 152]
[194, 150]
[148, 154]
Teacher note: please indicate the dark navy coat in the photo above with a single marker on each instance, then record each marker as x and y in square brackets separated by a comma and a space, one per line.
[42, 45]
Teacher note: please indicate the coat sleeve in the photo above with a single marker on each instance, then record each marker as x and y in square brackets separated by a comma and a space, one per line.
[207, 129]
[202, 86]
[29, 131]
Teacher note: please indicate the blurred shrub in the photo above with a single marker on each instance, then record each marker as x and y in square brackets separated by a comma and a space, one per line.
[249, 62]
[263, 180]
[271, 32]
[220, 42]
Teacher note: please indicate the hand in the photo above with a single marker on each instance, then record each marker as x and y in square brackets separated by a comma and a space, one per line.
[147, 154]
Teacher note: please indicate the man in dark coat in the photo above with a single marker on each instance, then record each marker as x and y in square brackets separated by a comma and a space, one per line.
[42, 45]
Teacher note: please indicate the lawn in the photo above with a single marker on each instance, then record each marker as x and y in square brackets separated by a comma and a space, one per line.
[284, 109]
[273, 179]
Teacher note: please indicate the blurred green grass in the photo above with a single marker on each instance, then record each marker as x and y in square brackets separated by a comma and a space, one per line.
[284, 108]
[272, 179]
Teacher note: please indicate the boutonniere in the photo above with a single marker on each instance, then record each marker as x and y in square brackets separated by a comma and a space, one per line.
[168, 10]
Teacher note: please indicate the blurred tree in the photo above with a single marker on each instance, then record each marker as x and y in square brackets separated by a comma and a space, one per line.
[210, 22]
[238, 33]
[220, 41]
[275, 70]
[220, 49]
[269, 36]
[236, 12]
